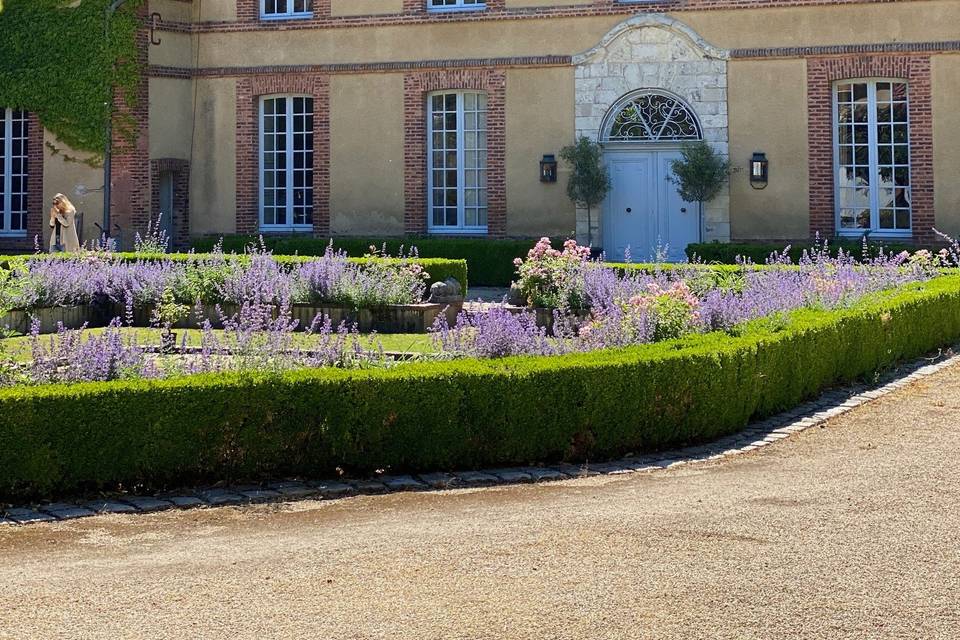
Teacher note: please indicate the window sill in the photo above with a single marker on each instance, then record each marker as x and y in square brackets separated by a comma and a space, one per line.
[481, 7]
[454, 231]
[13, 234]
[876, 233]
[286, 16]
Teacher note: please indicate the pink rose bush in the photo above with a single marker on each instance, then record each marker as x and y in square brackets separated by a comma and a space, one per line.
[553, 277]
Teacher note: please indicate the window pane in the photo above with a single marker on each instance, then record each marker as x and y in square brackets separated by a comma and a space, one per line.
[14, 169]
[454, 123]
[872, 158]
[287, 161]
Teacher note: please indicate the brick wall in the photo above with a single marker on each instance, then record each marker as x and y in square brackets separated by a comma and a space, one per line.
[130, 169]
[36, 211]
[249, 91]
[181, 197]
[821, 74]
[416, 86]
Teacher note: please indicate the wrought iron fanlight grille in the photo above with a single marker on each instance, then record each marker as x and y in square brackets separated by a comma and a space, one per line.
[654, 117]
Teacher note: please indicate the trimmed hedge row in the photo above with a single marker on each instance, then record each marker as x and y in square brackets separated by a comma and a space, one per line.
[443, 415]
[727, 253]
[439, 268]
[490, 261]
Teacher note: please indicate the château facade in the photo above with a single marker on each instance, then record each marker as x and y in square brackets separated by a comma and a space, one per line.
[395, 117]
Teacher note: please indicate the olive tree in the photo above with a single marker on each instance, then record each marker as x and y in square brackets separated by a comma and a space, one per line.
[699, 174]
[589, 179]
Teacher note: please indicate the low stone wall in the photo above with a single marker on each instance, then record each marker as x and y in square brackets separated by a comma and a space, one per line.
[394, 318]
[51, 318]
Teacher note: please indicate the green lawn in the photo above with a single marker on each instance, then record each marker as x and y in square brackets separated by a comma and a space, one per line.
[19, 346]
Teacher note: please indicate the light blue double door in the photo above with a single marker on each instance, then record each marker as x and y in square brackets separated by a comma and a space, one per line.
[643, 210]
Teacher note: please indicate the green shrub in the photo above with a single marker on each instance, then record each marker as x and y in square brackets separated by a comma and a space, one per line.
[727, 253]
[468, 413]
[490, 262]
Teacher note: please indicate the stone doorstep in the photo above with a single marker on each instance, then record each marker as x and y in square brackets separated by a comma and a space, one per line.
[815, 413]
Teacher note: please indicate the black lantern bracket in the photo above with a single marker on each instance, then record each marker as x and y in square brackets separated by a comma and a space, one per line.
[759, 170]
[548, 168]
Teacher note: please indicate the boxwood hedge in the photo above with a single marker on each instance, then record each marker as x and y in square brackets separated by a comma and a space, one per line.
[490, 260]
[758, 252]
[469, 413]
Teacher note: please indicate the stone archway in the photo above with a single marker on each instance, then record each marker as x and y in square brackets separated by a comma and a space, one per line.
[656, 52]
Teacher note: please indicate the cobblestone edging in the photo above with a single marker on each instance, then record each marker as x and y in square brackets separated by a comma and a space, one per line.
[757, 435]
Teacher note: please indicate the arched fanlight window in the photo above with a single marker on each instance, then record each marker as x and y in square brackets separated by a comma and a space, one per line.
[651, 116]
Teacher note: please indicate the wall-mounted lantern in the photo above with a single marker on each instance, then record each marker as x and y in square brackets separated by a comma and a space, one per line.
[759, 170]
[548, 168]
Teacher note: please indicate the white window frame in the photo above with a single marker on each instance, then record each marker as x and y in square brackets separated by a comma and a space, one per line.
[6, 200]
[289, 226]
[872, 145]
[460, 228]
[460, 5]
[290, 14]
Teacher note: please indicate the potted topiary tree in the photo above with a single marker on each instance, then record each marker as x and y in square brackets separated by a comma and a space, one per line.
[699, 174]
[589, 180]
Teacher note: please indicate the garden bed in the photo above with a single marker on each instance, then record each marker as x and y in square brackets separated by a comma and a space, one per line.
[460, 414]
[376, 293]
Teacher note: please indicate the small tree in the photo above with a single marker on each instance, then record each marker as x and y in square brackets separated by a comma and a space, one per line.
[699, 174]
[589, 180]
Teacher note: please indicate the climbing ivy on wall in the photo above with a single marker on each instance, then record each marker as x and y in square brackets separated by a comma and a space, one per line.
[56, 63]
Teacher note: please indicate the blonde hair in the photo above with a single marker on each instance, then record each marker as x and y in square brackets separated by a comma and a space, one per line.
[60, 200]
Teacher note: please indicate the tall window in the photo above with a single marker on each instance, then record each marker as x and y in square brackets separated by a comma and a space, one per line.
[872, 157]
[457, 158]
[440, 5]
[13, 172]
[286, 163]
[286, 8]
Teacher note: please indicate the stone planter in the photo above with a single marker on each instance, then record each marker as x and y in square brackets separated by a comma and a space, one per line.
[50, 318]
[391, 318]
[394, 318]
[143, 316]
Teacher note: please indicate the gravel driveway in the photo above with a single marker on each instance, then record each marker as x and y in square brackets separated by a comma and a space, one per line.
[848, 531]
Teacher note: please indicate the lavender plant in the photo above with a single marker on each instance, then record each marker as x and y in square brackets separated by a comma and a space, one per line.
[155, 239]
[495, 333]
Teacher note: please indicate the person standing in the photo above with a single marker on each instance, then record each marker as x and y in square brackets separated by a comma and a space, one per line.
[63, 221]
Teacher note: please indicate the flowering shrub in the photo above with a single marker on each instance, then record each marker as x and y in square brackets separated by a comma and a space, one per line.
[634, 306]
[381, 280]
[553, 277]
[491, 334]
[79, 356]
[155, 240]
[101, 277]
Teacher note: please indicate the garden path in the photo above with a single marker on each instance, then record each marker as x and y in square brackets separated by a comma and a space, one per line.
[850, 530]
